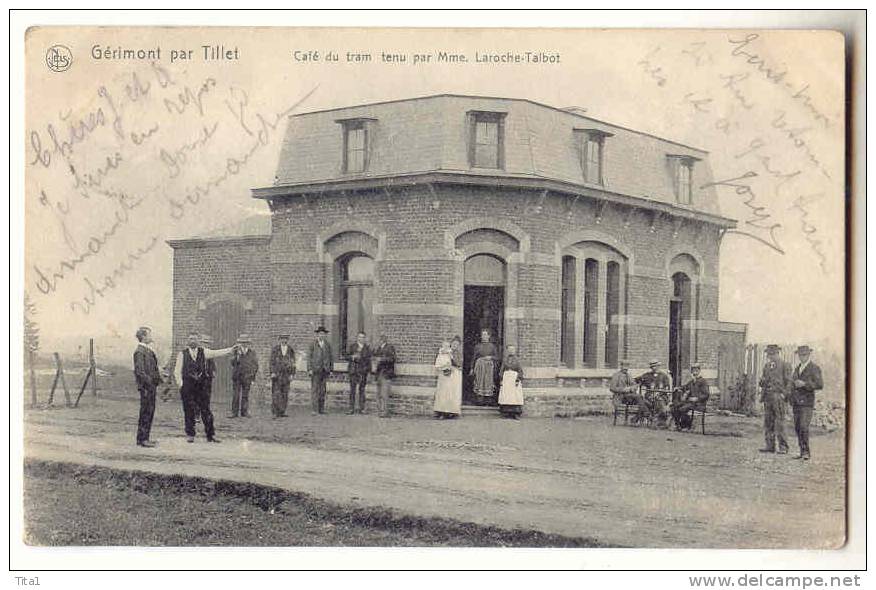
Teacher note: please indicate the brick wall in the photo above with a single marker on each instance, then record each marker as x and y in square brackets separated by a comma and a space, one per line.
[405, 229]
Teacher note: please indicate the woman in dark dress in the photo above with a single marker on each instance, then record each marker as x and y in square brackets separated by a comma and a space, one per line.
[484, 362]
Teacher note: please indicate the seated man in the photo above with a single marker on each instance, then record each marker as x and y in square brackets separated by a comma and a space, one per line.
[624, 390]
[657, 384]
[694, 395]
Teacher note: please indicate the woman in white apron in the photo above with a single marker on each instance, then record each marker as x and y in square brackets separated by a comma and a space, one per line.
[448, 394]
[511, 392]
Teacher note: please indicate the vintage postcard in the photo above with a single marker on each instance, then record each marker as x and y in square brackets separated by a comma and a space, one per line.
[482, 288]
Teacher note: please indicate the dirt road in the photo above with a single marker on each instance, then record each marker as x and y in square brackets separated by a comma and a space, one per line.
[626, 486]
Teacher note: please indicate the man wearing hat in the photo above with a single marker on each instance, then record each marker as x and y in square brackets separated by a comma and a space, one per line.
[654, 381]
[694, 395]
[190, 372]
[623, 388]
[775, 387]
[320, 363]
[244, 367]
[282, 369]
[806, 381]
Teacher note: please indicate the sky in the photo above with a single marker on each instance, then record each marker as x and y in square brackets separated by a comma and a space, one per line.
[123, 154]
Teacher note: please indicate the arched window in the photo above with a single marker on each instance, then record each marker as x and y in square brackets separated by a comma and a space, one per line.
[567, 305]
[356, 302]
[594, 284]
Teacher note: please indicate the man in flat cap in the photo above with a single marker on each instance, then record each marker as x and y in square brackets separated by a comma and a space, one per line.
[693, 396]
[624, 389]
[359, 354]
[282, 370]
[775, 387]
[384, 357]
[244, 368]
[190, 372]
[806, 381]
[320, 363]
[657, 384]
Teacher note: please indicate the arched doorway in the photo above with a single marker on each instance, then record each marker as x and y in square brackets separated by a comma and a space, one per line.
[224, 322]
[483, 309]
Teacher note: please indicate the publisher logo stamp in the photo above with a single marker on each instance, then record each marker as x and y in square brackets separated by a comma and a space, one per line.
[59, 58]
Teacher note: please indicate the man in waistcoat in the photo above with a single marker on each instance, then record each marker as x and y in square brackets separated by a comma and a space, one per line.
[282, 370]
[320, 363]
[657, 384]
[775, 387]
[191, 373]
[806, 381]
[148, 379]
[244, 368]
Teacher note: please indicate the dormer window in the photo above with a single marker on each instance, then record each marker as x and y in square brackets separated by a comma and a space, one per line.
[591, 144]
[487, 143]
[356, 145]
[682, 170]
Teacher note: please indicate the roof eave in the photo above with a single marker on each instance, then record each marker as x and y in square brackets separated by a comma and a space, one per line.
[535, 183]
[217, 241]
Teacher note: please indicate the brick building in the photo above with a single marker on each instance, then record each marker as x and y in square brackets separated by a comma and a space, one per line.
[579, 241]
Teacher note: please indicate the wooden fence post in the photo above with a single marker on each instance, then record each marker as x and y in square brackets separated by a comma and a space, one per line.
[92, 366]
[84, 383]
[60, 373]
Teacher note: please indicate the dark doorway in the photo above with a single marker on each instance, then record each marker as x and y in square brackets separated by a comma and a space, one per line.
[483, 309]
[679, 332]
[224, 323]
[675, 355]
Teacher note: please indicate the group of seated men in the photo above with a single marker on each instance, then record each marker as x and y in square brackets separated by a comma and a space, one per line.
[658, 401]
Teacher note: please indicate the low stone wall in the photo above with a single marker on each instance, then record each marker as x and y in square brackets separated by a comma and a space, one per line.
[408, 400]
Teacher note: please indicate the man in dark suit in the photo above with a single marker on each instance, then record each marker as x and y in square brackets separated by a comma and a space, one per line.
[244, 368]
[282, 370]
[207, 342]
[693, 396]
[384, 356]
[148, 379]
[806, 381]
[775, 387]
[320, 363]
[359, 355]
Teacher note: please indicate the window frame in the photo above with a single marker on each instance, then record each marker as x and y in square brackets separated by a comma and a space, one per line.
[585, 139]
[347, 126]
[496, 117]
[344, 287]
[683, 190]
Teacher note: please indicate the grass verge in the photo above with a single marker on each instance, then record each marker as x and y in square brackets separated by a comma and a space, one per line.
[72, 504]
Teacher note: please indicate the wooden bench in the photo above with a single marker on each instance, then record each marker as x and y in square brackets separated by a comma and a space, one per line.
[621, 406]
[693, 412]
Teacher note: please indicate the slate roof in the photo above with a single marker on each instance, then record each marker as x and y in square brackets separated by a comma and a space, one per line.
[430, 135]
